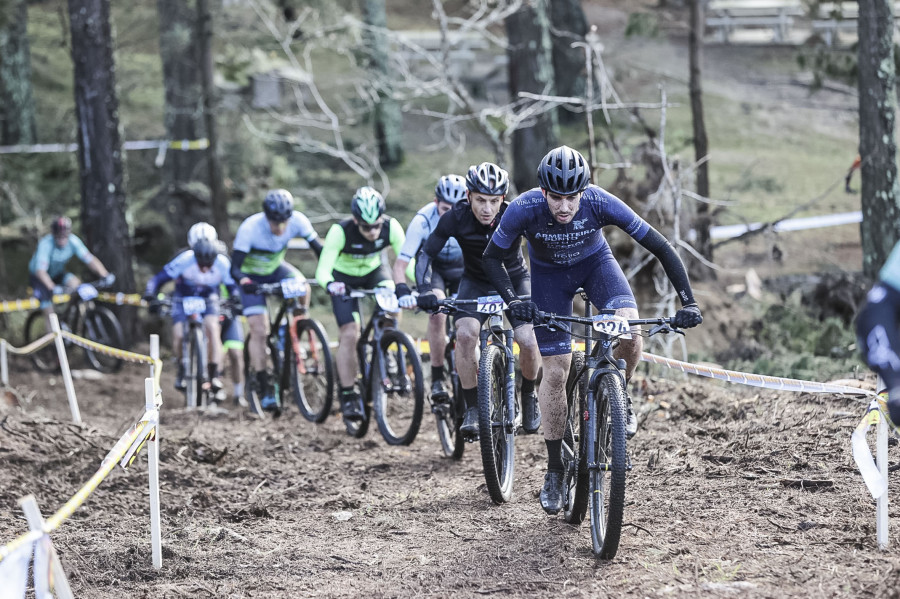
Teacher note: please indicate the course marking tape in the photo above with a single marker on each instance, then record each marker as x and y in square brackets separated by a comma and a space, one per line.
[33, 346]
[862, 455]
[117, 353]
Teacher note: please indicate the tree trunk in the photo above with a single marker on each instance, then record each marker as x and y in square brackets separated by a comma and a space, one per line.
[99, 140]
[218, 199]
[387, 116]
[568, 24]
[531, 70]
[17, 124]
[701, 142]
[877, 139]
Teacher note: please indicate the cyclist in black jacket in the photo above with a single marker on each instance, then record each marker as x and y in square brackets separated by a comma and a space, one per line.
[472, 222]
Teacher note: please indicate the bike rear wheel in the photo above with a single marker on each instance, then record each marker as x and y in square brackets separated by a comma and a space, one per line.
[497, 444]
[102, 326]
[196, 368]
[607, 463]
[250, 392]
[574, 450]
[448, 415]
[45, 359]
[312, 372]
[399, 398]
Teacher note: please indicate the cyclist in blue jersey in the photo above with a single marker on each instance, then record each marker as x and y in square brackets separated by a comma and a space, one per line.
[878, 331]
[47, 267]
[471, 223]
[447, 268]
[198, 273]
[562, 220]
[258, 257]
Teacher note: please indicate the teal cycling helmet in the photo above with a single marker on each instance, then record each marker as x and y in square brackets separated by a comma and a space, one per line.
[367, 205]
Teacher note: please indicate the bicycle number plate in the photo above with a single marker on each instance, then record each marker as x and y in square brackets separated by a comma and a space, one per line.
[387, 300]
[193, 305]
[87, 292]
[293, 287]
[490, 304]
[612, 325]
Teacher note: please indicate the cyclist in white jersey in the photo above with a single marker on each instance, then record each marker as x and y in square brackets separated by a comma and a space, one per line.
[447, 269]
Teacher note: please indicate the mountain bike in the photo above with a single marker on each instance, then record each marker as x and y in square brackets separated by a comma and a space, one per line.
[594, 443]
[391, 373]
[299, 353]
[84, 318]
[499, 409]
[194, 354]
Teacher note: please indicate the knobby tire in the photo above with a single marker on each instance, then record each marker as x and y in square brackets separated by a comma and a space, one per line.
[575, 444]
[312, 386]
[398, 403]
[102, 326]
[607, 488]
[449, 418]
[497, 445]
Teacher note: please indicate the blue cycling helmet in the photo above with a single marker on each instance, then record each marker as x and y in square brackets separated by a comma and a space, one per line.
[487, 178]
[205, 251]
[563, 171]
[367, 205]
[450, 189]
[278, 205]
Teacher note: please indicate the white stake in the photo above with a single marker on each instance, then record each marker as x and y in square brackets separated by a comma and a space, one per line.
[36, 522]
[153, 468]
[64, 366]
[4, 369]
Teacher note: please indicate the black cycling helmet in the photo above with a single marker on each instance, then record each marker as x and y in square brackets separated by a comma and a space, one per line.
[367, 205]
[61, 225]
[564, 171]
[278, 205]
[487, 178]
[205, 252]
[450, 189]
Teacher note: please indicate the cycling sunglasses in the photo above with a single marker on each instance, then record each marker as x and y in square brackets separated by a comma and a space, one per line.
[368, 227]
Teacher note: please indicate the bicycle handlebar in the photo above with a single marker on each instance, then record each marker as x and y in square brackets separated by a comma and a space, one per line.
[550, 320]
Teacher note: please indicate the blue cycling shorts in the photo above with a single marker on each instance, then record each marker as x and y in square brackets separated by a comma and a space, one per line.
[553, 287]
[255, 303]
[44, 295]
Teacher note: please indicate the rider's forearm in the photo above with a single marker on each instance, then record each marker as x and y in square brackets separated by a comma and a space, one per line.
[237, 260]
[98, 267]
[423, 272]
[316, 246]
[44, 278]
[671, 263]
[399, 270]
[492, 263]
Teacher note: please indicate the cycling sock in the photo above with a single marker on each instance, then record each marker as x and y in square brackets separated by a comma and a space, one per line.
[347, 390]
[471, 397]
[554, 455]
[239, 389]
[213, 370]
[437, 373]
[527, 386]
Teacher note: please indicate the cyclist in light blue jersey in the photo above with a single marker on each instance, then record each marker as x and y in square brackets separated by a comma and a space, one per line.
[257, 257]
[47, 267]
[447, 269]
[198, 273]
[562, 220]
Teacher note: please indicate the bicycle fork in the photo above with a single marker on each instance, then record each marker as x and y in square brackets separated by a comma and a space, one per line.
[510, 425]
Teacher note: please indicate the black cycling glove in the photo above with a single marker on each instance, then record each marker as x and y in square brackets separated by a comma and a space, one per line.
[428, 302]
[689, 316]
[523, 310]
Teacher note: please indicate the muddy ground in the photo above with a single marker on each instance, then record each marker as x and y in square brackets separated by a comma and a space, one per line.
[719, 503]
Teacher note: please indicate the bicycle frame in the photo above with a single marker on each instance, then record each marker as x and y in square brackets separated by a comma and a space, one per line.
[378, 323]
[494, 330]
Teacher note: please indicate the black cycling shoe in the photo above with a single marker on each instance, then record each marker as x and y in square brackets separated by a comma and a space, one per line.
[531, 413]
[552, 492]
[631, 423]
[351, 406]
[180, 384]
[439, 393]
[469, 426]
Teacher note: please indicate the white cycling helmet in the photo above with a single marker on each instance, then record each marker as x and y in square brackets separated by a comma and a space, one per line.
[202, 231]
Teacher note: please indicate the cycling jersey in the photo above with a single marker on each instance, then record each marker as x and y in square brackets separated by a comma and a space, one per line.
[890, 272]
[261, 250]
[190, 280]
[461, 224]
[420, 227]
[346, 250]
[52, 259]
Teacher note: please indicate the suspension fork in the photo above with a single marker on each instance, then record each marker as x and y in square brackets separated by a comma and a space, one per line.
[510, 388]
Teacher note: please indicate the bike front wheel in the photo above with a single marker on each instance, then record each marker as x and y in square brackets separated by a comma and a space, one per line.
[312, 371]
[398, 398]
[607, 464]
[497, 443]
[194, 373]
[574, 449]
[46, 358]
[448, 415]
[101, 326]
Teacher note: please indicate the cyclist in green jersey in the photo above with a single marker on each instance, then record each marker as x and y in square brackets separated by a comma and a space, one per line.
[352, 258]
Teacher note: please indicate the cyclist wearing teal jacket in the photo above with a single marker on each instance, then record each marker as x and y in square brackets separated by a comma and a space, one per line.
[352, 258]
[47, 267]
[258, 257]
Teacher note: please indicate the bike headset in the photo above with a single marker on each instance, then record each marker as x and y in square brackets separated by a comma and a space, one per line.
[201, 231]
[61, 225]
[278, 205]
[205, 252]
[487, 178]
[563, 171]
[451, 189]
[367, 205]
